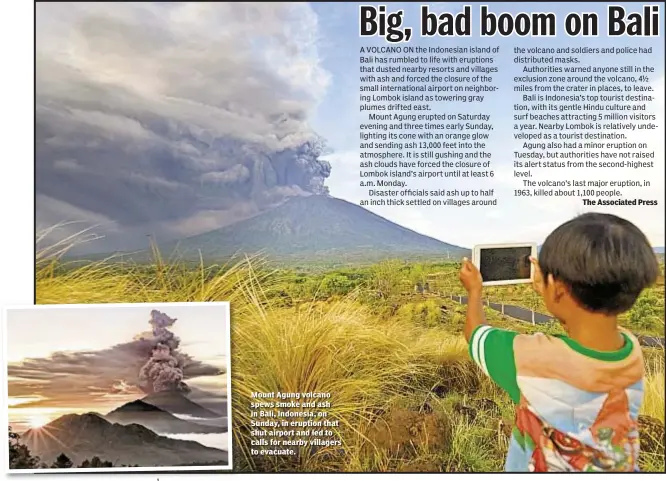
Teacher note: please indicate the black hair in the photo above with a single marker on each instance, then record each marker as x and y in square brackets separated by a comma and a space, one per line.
[606, 261]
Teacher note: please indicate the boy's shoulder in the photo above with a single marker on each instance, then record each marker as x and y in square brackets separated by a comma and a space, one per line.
[561, 358]
[505, 355]
[489, 337]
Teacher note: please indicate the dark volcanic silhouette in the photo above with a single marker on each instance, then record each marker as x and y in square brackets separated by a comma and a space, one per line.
[156, 419]
[176, 403]
[84, 436]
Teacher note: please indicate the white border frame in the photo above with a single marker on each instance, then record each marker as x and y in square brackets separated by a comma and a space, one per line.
[152, 469]
[476, 260]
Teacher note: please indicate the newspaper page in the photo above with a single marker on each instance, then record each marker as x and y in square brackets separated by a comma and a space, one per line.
[337, 237]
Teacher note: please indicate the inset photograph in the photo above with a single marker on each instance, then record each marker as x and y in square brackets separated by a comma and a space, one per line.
[118, 387]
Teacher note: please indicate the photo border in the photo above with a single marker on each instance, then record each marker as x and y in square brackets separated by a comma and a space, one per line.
[146, 470]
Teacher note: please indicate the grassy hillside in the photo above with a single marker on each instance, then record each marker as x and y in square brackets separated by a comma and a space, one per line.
[405, 393]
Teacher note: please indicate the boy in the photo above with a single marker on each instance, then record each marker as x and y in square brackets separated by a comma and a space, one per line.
[577, 396]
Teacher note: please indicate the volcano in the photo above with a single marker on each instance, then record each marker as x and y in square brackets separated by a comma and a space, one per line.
[156, 419]
[176, 403]
[314, 227]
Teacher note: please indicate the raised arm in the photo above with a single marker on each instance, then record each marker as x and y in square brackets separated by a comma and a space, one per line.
[491, 348]
[473, 283]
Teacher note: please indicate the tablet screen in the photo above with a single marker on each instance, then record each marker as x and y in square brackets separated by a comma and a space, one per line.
[505, 263]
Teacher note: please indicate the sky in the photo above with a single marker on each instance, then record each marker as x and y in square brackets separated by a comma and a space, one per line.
[170, 119]
[96, 359]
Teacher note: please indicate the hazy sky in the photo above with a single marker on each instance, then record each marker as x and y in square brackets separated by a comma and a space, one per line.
[174, 119]
[69, 357]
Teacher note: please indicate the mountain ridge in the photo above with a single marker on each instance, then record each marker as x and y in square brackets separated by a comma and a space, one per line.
[177, 403]
[156, 419]
[84, 436]
[313, 226]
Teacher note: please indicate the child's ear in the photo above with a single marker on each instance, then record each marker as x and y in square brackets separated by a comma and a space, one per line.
[559, 289]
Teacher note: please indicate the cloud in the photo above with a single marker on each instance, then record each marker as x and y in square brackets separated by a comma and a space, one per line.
[87, 378]
[150, 114]
[236, 174]
[217, 400]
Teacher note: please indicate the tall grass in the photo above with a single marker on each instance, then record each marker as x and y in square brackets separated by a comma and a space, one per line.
[652, 440]
[364, 363]
[394, 371]
[653, 403]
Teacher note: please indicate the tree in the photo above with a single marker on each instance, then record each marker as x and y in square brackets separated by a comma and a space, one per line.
[62, 462]
[96, 462]
[417, 274]
[386, 277]
[645, 312]
[336, 285]
[20, 456]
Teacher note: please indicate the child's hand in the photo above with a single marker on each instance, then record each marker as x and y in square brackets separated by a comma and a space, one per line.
[470, 277]
[537, 280]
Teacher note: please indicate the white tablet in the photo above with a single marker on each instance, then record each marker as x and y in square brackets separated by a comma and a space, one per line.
[503, 264]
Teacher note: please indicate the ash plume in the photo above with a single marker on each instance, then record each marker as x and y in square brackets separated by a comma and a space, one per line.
[173, 119]
[164, 370]
[153, 360]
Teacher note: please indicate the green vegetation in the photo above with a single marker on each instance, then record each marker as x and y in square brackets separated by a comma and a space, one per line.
[387, 279]
[381, 339]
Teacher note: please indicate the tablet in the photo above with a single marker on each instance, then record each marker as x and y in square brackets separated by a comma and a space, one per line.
[503, 264]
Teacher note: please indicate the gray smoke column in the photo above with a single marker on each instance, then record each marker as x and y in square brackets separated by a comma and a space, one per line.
[173, 119]
[164, 369]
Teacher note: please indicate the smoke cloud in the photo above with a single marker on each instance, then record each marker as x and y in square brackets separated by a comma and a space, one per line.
[172, 119]
[151, 362]
[164, 369]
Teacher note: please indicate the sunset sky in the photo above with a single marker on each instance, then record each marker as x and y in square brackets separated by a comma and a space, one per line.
[72, 360]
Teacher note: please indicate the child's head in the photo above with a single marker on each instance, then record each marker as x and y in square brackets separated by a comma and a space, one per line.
[596, 262]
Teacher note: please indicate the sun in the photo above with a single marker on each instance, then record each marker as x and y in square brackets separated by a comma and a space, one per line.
[37, 421]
